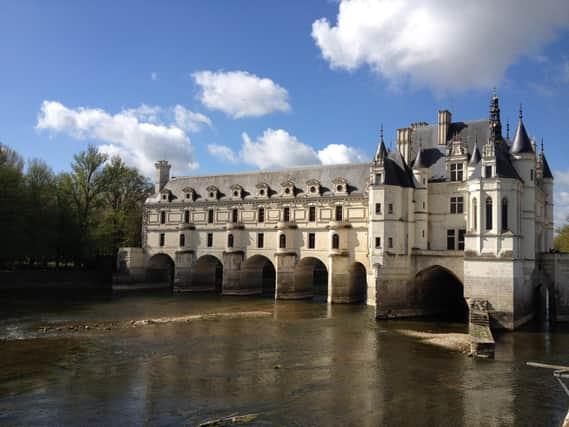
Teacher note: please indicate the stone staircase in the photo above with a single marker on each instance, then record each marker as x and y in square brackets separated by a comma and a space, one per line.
[482, 342]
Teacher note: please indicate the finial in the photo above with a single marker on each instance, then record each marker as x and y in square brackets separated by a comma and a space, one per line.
[494, 92]
[542, 145]
[508, 129]
[381, 132]
[521, 112]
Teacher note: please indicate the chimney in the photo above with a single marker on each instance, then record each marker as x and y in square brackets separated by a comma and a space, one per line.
[444, 124]
[404, 142]
[162, 175]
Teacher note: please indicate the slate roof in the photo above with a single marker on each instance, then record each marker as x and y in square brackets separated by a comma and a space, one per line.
[522, 143]
[396, 170]
[356, 175]
[546, 170]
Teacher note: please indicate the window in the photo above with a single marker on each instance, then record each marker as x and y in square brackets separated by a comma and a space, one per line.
[261, 215]
[312, 213]
[456, 171]
[423, 234]
[338, 213]
[488, 171]
[234, 215]
[311, 240]
[475, 214]
[230, 240]
[260, 240]
[187, 217]
[182, 240]
[456, 205]
[378, 242]
[423, 205]
[390, 208]
[461, 234]
[378, 208]
[390, 242]
[504, 214]
[450, 240]
[335, 241]
[282, 241]
[210, 216]
[378, 178]
[162, 238]
[489, 213]
[286, 214]
[531, 174]
[188, 195]
[162, 217]
[209, 240]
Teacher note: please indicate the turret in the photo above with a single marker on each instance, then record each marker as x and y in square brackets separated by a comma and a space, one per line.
[474, 159]
[421, 172]
[162, 175]
[547, 177]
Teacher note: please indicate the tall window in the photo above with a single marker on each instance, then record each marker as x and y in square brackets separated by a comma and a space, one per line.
[531, 174]
[234, 215]
[286, 214]
[390, 242]
[378, 178]
[335, 241]
[312, 213]
[390, 208]
[488, 171]
[209, 240]
[475, 214]
[311, 240]
[230, 240]
[456, 205]
[338, 212]
[162, 238]
[450, 240]
[163, 217]
[210, 216]
[456, 171]
[461, 234]
[261, 215]
[187, 217]
[282, 241]
[182, 240]
[489, 213]
[260, 240]
[504, 214]
[378, 242]
[378, 208]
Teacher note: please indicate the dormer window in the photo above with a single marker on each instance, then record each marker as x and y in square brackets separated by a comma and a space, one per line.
[236, 191]
[456, 171]
[188, 194]
[287, 189]
[340, 185]
[212, 192]
[313, 187]
[165, 195]
[263, 191]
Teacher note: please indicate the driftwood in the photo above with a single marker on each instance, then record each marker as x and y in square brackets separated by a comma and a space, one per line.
[229, 419]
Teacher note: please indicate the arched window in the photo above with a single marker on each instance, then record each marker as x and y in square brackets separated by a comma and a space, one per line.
[504, 214]
[335, 241]
[282, 241]
[230, 240]
[475, 214]
[489, 213]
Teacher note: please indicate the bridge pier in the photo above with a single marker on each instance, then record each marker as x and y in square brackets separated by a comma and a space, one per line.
[291, 284]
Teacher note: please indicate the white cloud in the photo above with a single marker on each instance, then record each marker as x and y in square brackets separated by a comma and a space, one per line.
[190, 121]
[435, 43]
[136, 134]
[222, 152]
[561, 197]
[278, 148]
[340, 153]
[240, 94]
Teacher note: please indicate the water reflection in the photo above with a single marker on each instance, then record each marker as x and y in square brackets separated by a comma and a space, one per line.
[308, 364]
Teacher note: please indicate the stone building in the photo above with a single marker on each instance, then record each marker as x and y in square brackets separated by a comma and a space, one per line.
[456, 212]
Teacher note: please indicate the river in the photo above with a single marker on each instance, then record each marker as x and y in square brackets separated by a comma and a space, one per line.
[305, 364]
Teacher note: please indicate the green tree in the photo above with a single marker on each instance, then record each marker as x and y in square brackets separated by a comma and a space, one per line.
[561, 241]
[12, 197]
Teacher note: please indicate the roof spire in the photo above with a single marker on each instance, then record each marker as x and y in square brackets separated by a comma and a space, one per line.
[521, 112]
[542, 145]
[381, 133]
[508, 129]
[494, 120]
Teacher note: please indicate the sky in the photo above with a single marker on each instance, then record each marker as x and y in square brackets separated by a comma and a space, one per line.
[221, 86]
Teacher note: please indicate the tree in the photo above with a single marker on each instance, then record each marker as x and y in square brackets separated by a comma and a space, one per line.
[561, 241]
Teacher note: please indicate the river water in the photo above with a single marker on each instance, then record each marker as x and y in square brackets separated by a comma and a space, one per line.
[307, 364]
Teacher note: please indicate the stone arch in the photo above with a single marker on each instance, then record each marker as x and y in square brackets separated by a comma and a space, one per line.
[311, 278]
[160, 269]
[357, 282]
[207, 274]
[440, 292]
[258, 272]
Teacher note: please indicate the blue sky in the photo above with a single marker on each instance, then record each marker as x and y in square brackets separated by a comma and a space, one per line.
[218, 86]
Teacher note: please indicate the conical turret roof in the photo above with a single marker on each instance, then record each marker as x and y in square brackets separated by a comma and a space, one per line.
[546, 170]
[475, 158]
[419, 162]
[522, 143]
